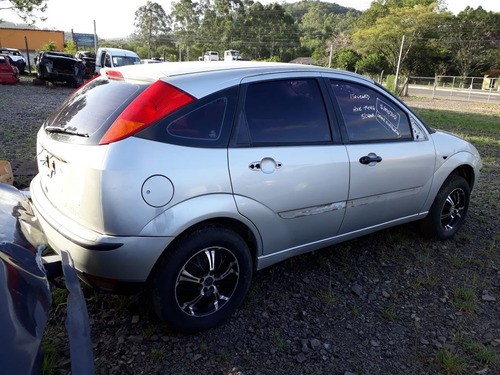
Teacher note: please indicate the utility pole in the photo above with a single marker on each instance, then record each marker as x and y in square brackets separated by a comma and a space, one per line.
[95, 38]
[399, 63]
[330, 59]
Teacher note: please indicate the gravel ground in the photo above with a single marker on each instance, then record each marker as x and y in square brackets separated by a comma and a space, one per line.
[388, 303]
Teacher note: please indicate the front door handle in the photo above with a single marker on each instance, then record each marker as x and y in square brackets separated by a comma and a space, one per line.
[370, 158]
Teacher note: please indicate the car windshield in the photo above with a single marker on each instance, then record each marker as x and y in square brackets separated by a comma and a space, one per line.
[91, 109]
[125, 60]
[10, 52]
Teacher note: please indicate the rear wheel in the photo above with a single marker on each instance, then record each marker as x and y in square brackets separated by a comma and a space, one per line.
[202, 280]
[447, 213]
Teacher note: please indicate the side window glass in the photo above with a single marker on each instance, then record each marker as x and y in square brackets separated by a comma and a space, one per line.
[204, 123]
[418, 133]
[284, 112]
[107, 61]
[370, 116]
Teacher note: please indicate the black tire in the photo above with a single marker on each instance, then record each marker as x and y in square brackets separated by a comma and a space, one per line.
[448, 212]
[202, 281]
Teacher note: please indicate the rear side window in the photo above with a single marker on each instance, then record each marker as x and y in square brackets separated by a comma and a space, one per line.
[284, 112]
[368, 115]
[203, 123]
[86, 115]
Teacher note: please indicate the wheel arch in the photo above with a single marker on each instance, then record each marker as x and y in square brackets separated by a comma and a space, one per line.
[465, 171]
[224, 222]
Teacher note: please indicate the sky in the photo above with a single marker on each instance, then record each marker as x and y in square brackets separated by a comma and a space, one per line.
[115, 18]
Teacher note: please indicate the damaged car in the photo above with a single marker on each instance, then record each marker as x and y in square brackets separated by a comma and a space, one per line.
[17, 58]
[25, 291]
[59, 67]
[88, 59]
[8, 71]
[188, 177]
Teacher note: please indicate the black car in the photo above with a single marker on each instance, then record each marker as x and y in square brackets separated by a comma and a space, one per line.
[59, 67]
[88, 59]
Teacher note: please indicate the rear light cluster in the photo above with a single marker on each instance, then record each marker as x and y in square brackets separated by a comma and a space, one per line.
[157, 101]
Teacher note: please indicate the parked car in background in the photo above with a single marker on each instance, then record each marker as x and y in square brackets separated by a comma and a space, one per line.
[59, 67]
[232, 55]
[115, 57]
[151, 61]
[16, 57]
[187, 177]
[88, 59]
[8, 71]
[211, 56]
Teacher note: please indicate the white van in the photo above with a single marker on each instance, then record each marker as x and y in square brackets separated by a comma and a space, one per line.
[232, 55]
[113, 57]
[211, 56]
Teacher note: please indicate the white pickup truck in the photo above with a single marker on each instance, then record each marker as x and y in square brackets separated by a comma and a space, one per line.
[113, 57]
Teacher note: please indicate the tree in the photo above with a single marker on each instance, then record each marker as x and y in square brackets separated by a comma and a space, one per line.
[416, 23]
[320, 23]
[25, 9]
[49, 46]
[186, 16]
[473, 39]
[151, 22]
[372, 64]
[346, 59]
[270, 31]
[381, 8]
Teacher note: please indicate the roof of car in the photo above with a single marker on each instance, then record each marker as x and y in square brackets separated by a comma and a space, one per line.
[169, 69]
[119, 51]
[217, 75]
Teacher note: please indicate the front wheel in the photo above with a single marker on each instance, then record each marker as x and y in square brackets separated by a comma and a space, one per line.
[447, 213]
[202, 280]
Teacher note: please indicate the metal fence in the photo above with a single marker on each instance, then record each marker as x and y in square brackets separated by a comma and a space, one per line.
[461, 88]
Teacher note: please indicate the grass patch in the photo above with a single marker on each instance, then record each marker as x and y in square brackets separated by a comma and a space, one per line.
[388, 314]
[49, 352]
[328, 296]
[59, 297]
[458, 122]
[465, 300]
[222, 357]
[158, 355]
[278, 342]
[449, 362]
[481, 353]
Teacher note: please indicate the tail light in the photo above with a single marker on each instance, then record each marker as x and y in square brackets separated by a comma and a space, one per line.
[156, 102]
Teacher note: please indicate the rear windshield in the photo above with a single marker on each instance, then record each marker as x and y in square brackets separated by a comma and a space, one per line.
[86, 115]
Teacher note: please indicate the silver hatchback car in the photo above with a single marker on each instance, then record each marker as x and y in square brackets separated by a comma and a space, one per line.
[188, 177]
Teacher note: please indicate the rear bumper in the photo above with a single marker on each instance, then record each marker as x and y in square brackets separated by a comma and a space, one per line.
[124, 259]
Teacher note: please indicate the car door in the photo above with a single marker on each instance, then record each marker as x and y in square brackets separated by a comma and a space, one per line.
[391, 169]
[290, 176]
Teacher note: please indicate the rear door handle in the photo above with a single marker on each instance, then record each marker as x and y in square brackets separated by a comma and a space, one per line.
[370, 158]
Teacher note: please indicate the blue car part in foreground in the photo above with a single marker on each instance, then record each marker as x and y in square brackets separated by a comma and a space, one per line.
[25, 292]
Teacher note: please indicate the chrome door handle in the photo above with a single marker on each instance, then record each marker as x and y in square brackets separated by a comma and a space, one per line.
[266, 165]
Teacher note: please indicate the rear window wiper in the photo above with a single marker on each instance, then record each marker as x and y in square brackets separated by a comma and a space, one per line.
[58, 129]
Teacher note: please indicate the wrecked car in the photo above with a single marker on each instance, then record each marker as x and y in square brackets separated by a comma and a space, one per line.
[59, 67]
[88, 59]
[8, 71]
[26, 295]
[17, 58]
